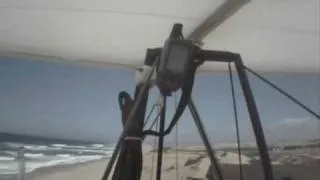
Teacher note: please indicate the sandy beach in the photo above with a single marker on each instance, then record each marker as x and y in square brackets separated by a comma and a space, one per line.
[192, 163]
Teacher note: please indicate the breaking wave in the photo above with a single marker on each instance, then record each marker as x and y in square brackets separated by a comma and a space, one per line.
[47, 155]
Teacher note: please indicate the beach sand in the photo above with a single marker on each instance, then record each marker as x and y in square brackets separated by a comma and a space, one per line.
[85, 171]
[192, 164]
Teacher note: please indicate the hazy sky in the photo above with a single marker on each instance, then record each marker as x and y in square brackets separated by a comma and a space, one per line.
[54, 100]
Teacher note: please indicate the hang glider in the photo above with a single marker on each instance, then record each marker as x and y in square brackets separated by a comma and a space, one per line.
[272, 36]
[174, 65]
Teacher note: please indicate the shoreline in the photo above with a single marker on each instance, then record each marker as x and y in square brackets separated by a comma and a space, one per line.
[192, 164]
[45, 171]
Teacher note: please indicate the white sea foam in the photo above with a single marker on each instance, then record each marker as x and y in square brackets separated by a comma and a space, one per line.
[59, 145]
[36, 147]
[77, 147]
[6, 158]
[95, 151]
[80, 159]
[30, 155]
[64, 161]
[12, 153]
[97, 145]
[38, 156]
[8, 172]
[64, 155]
[69, 146]
[13, 145]
[31, 166]
[3, 166]
[7, 168]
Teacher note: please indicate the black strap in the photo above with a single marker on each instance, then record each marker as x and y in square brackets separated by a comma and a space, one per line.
[125, 103]
[184, 100]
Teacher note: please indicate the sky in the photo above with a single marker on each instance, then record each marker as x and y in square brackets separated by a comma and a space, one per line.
[81, 103]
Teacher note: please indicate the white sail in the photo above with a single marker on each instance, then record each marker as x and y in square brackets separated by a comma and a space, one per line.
[271, 35]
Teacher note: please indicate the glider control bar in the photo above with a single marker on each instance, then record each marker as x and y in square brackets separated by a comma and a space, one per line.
[175, 64]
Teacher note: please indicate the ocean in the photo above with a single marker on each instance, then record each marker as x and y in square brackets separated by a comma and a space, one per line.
[47, 153]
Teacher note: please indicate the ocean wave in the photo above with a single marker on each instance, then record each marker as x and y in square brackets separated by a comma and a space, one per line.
[31, 166]
[8, 172]
[13, 145]
[48, 155]
[78, 147]
[31, 147]
[11, 153]
[4, 167]
[55, 148]
[36, 147]
[80, 159]
[102, 151]
[65, 161]
[30, 155]
[58, 145]
[65, 146]
[6, 158]
[64, 155]
[8, 168]
[97, 145]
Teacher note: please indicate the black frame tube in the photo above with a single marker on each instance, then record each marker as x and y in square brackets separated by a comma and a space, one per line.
[235, 113]
[255, 119]
[205, 139]
[129, 122]
[216, 56]
[161, 138]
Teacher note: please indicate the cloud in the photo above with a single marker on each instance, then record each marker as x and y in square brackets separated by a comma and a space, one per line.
[294, 121]
[293, 129]
[288, 129]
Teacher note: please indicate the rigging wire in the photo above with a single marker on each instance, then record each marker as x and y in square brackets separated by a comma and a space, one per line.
[319, 105]
[282, 92]
[236, 120]
[158, 104]
[153, 154]
[176, 138]
[161, 138]
[150, 113]
[155, 122]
